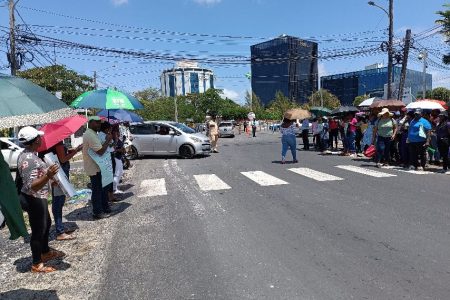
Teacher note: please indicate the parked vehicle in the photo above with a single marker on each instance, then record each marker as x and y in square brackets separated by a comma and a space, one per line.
[201, 127]
[226, 129]
[10, 150]
[167, 138]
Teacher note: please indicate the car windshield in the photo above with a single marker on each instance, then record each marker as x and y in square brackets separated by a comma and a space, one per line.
[183, 128]
[225, 125]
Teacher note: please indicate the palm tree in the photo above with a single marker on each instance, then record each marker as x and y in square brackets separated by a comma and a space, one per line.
[445, 22]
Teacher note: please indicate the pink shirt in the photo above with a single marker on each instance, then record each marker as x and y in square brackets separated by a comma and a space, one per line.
[352, 125]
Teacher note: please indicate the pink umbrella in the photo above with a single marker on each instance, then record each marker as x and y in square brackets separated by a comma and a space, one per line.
[58, 131]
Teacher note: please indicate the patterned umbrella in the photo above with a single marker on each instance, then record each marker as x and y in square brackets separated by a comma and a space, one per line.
[107, 99]
[391, 104]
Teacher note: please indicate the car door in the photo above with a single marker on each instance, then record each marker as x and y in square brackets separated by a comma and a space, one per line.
[143, 138]
[165, 139]
[8, 154]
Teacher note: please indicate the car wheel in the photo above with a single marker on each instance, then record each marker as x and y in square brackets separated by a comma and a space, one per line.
[232, 136]
[133, 154]
[186, 151]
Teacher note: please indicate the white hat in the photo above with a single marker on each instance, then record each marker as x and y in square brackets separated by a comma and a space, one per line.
[385, 111]
[28, 133]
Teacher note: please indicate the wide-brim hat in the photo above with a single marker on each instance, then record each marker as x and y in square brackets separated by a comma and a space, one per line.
[385, 111]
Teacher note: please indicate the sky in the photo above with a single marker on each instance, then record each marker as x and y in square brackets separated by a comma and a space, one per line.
[216, 29]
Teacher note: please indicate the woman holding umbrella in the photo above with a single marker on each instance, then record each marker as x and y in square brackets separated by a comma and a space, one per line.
[288, 139]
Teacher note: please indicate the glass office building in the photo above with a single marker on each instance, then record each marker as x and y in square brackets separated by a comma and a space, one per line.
[287, 64]
[348, 86]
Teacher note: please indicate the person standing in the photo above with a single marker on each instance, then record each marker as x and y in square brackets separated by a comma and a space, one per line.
[351, 133]
[119, 151]
[288, 140]
[58, 196]
[324, 135]
[443, 137]
[254, 128]
[35, 177]
[91, 141]
[334, 132]
[419, 140]
[213, 134]
[305, 134]
[384, 133]
[105, 129]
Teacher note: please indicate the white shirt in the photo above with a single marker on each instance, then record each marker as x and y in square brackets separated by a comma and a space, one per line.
[305, 124]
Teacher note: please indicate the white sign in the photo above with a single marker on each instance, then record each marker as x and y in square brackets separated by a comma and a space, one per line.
[251, 116]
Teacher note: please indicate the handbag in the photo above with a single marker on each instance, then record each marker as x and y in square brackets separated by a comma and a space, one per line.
[422, 133]
[370, 151]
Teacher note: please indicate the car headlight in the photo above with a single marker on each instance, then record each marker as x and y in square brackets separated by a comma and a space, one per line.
[195, 139]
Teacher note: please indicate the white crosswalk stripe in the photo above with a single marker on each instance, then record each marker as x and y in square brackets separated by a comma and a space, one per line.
[316, 175]
[365, 171]
[210, 182]
[152, 188]
[263, 178]
[400, 169]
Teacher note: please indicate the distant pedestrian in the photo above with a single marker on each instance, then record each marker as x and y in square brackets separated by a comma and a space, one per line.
[213, 134]
[443, 137]
[106, 129]
[384, 133]
[91, 142]
[288, 140]
[254, 128]
[419, 139]
[334, 132]
[34, 188]
[305, 134]
[119, 152]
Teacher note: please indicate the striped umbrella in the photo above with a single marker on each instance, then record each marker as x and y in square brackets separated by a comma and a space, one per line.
[107, 99]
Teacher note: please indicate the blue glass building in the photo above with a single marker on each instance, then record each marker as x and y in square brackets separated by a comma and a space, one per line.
[287, 64]
[348, 86]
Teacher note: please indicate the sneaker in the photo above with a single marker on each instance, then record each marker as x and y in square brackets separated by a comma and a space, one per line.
[100, 216]
[378, 165]
[118, 191]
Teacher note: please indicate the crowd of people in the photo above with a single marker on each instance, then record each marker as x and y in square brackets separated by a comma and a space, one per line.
[103, 150]
[412, 139]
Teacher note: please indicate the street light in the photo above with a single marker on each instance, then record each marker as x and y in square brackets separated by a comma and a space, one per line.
[390, 14]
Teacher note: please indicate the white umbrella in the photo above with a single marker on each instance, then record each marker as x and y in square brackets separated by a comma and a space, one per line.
[367, 102]
[425, 105]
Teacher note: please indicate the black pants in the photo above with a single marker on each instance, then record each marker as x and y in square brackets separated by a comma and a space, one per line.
[443, 151]
[334, 136]
[40, 223]
[254, 131]
[417, 151]
[305, 138]
[99, 196]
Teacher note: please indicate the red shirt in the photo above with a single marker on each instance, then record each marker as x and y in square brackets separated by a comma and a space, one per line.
[333, 124]
[352, 125]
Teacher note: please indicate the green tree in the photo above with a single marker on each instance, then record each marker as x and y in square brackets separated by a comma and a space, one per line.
[359, 99]
[441, 93]
[445, 22]
[147, 94]
[58, 78]
[253, 102]
[279, 106]
[330, 101]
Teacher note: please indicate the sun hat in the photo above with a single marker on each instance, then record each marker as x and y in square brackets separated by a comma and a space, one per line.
[385, 111]
[28, 134]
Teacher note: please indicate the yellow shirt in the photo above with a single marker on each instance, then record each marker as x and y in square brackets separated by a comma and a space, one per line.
[90, 141]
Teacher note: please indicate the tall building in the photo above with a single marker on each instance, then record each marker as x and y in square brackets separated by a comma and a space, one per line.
[287, 64]
[372, 81]
[186, 78]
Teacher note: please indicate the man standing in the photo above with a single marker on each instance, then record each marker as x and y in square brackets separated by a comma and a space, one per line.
[91, 141]
[305, 134]
[213, 133]
[254, 128]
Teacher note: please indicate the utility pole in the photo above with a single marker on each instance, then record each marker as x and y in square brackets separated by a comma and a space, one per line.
[175, 93]
[423, 56]
[12, 40]
[390, 48]
[404, 64]
[95, 80]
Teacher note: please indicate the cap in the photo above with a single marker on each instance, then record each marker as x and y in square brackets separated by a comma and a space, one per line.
[418, 111]
[94, 118]
[397, 113]
[29, 133]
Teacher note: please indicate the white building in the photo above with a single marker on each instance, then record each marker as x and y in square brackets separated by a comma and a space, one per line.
[188, 78]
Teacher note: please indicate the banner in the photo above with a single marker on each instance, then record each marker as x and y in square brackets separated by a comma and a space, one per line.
[60, 177]
[105, 164]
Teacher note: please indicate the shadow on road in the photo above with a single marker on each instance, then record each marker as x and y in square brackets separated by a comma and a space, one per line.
[29, 294]
[85, 213]
[23, 265]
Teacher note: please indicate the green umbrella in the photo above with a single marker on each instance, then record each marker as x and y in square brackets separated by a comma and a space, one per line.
[107, 99]
[318, 110]
[24, 103]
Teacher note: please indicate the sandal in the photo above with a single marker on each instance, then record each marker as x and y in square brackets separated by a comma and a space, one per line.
[64, 237]
[51, 255]
[40, 268]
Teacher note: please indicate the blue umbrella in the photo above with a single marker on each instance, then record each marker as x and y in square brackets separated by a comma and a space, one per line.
[121, 115]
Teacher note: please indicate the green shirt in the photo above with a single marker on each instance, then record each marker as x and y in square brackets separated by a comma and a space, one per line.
[385, 127]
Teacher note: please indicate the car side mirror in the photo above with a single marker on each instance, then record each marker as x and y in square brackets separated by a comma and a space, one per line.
[172, 132]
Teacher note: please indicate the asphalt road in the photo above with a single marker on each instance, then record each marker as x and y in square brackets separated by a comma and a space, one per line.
[354, 236]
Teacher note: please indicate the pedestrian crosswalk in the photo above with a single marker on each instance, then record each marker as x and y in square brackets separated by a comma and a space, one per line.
[212, 182]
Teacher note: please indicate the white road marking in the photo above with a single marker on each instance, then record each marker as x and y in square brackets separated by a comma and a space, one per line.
[365, 171]
[263, 178]
[152, 188]
[316, 175]
[400, 169]
[210, 182]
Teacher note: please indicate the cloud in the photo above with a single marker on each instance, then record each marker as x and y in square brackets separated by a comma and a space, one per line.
[207, 2]
[119, 2]
[230, 94]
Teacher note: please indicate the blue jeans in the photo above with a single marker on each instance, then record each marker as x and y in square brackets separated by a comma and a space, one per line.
[288, 141]
[57, 206]
[351, 142]
[383, 149]
[99, 195]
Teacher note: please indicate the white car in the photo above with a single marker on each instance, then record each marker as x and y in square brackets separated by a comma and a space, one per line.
[10, 151]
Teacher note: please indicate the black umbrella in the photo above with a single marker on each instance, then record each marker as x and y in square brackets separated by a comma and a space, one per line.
[343, 110]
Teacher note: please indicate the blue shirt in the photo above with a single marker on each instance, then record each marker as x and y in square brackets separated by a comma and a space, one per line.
[414, 127]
